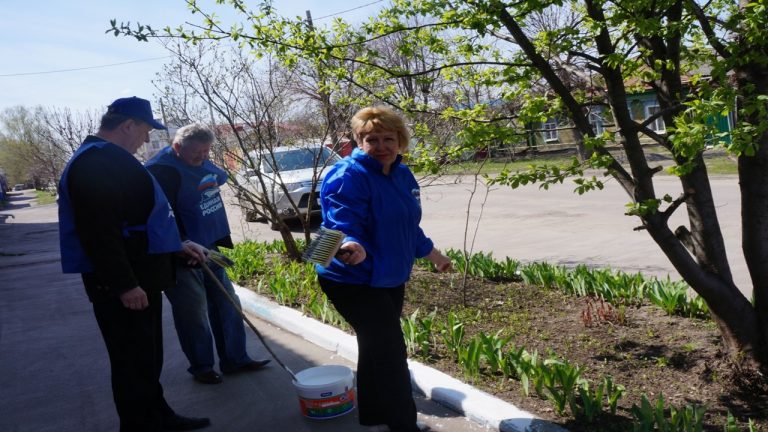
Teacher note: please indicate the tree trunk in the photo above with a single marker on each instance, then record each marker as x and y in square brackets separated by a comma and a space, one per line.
[734, 315]
[706, 239]
[581, 150]
[291, 248]
[753, 181]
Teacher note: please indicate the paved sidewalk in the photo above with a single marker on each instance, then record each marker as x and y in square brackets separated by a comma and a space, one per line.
[54, 370]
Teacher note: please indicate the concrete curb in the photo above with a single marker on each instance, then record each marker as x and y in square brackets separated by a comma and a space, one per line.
[478, 406]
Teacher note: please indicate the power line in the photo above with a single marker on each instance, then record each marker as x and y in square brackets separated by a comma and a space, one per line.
[82, 68]
[349, 10]
[156, 58]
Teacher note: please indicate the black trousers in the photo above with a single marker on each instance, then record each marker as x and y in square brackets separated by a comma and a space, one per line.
[134, 342]
[384, 393]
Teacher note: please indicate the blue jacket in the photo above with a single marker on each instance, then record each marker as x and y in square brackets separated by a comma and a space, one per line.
[381, 212]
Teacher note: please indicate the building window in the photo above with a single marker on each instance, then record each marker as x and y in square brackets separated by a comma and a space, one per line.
[596, 120]
[636, 110]
[658, 123]
[549, 130]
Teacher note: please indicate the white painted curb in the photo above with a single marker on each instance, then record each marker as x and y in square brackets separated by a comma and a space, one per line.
[478, 406]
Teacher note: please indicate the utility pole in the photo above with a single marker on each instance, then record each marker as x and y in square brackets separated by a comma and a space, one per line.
[210, 112]
[325, 96]
[165, 120]
[309, 21]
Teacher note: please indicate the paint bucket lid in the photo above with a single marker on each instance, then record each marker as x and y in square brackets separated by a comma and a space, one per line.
[323, 376]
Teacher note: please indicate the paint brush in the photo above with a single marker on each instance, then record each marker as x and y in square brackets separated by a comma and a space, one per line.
[325, 247]
[219, 259]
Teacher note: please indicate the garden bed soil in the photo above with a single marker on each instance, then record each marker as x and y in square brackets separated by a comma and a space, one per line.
[641, 348]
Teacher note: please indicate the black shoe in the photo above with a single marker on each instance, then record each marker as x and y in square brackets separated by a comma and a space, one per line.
[248, 367]
[181, 423]
[210, 377]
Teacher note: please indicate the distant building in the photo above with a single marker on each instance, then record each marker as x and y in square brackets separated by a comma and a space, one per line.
[158, 140]
[343, 145]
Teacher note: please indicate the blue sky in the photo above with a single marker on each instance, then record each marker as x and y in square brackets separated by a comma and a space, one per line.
[53, 35]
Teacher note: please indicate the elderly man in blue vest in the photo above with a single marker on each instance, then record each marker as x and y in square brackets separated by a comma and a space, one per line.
[201, 312]
[117, 229]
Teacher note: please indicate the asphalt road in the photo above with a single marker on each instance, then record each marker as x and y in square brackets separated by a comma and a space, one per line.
[555, 225]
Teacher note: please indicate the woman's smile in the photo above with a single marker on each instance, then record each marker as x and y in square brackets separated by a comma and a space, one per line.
[381, 145]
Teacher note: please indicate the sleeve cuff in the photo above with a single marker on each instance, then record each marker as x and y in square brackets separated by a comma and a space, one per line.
[425, 248]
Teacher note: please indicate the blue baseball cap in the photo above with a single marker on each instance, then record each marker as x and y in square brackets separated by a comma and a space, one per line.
[137, 108]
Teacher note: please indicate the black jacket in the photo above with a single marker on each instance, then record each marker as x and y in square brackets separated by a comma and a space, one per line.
[110, 189]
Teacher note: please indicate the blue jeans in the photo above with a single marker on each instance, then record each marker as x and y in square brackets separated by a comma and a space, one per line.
[202, 314]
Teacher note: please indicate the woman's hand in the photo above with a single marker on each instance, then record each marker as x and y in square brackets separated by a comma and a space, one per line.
[351, 253]
[442, 263]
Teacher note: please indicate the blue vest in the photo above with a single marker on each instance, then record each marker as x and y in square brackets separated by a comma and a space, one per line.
[162, 233]
[199, 205]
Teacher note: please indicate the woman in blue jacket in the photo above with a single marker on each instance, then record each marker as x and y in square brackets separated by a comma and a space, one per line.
[374, 200]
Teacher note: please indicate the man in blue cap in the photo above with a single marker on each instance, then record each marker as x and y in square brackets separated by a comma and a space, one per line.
[117, 229]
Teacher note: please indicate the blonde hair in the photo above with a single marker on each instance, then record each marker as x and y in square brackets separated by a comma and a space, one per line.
[382, 118]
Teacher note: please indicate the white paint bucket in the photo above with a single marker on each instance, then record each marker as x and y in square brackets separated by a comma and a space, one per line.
[325, 391]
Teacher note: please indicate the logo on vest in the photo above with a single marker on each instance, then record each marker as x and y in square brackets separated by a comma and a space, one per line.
[209, 181]
[210, 198]
[170, 212]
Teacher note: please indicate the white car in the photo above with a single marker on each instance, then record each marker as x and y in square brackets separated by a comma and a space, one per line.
[295, 169]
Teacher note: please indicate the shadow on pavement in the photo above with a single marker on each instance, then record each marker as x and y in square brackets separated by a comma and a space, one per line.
[17, 200]
[54, 369]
